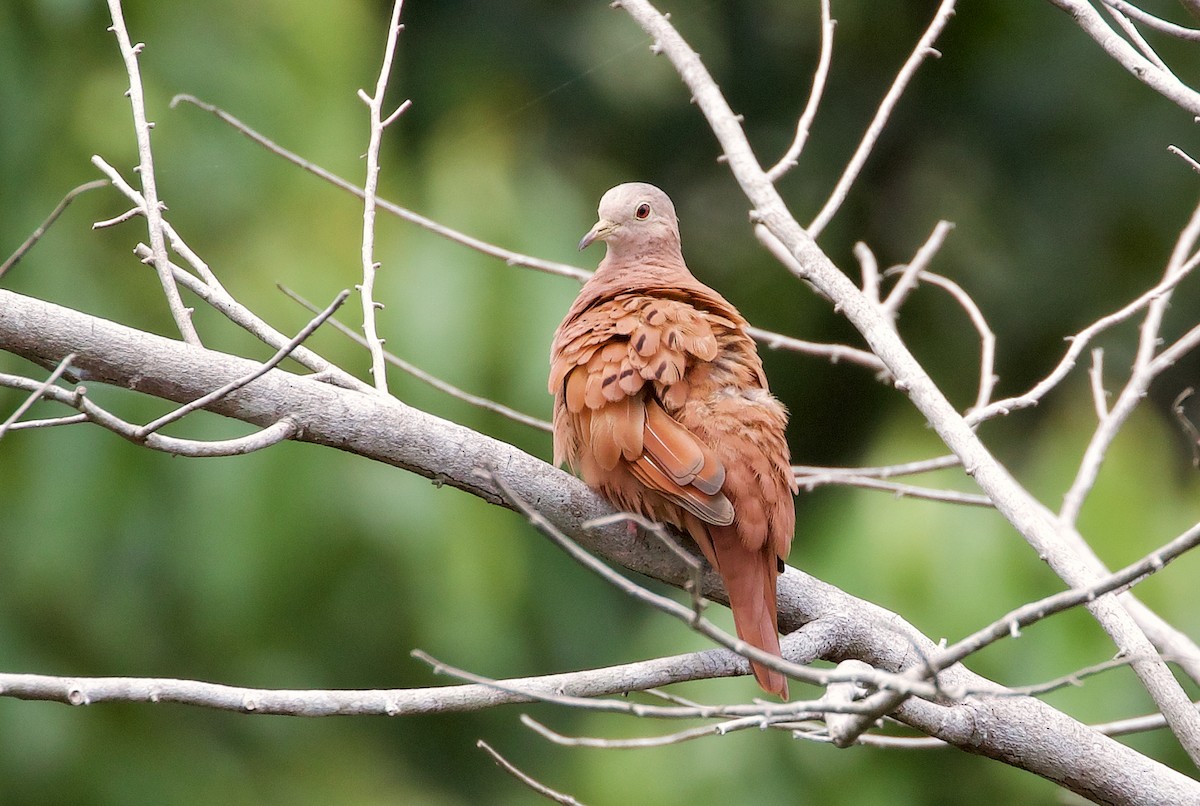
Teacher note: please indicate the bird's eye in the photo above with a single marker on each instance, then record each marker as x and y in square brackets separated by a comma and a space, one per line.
[642, 212]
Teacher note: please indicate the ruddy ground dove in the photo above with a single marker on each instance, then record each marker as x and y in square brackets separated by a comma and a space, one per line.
[662, 406]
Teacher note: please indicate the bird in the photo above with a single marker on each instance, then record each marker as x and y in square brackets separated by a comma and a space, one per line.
[662, 406]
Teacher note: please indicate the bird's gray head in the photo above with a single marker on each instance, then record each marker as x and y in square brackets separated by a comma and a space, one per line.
[636, 219]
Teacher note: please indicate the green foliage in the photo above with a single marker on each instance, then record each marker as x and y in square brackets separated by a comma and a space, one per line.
[301, 567]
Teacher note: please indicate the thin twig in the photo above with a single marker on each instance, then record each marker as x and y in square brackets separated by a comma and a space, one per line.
[37, 394]
[695, 568]
[811, 482]
[1145, 369]
[923, 50]
[145, 253]
[1151, 21]
[1078, 343]
[701, 625]
[1185, 422]
[987, 339]
[621, 705]
[1010, 624]
[273, 434]
[1136, 38]
[792, 156]
[912, 272]
[643, 742]
[1096, 381]
[223, 303]
[215, 395]
[834, 353]
[49, 422]
[882, 471]
[432, 380]
[870, 271]
[370, 187]
[1183, 155]
[153, 207]
[532, 783]
[508, 256]
[1094, 25]
[37, 234]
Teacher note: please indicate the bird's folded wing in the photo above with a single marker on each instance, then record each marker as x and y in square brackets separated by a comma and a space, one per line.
[675, 463]
[613, 366]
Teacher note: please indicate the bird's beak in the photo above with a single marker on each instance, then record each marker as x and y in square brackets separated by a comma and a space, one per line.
[602, 229]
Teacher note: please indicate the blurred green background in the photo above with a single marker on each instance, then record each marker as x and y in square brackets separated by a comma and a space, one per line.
[301, 567]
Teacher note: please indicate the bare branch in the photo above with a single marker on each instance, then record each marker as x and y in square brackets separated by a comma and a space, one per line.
[844, 729]
[216, 296]
[1089, 19]
[37, 234]
[1153, 22]
[1145, 369]
[1096, 378]
[50, 422]
[691, 617]
[642, 742]
[249, 377]
[1179, 152]
[884, 471]
[834, 353]
[153, 207]
[923, 50]
[37, 393]
[792, 156]
[1078, 343]
[870, 271]
[987, 339]
[532, 783]
[509, 257]
[920, 262]
[811, 482]
[367, 287]
[1010, 624]
[284, 428]
[432, 380]
[1137, 39]
[884, 702]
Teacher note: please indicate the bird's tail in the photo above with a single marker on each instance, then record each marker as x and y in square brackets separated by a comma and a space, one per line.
[750, 580]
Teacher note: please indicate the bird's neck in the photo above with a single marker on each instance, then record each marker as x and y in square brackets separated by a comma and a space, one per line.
[659, 256]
